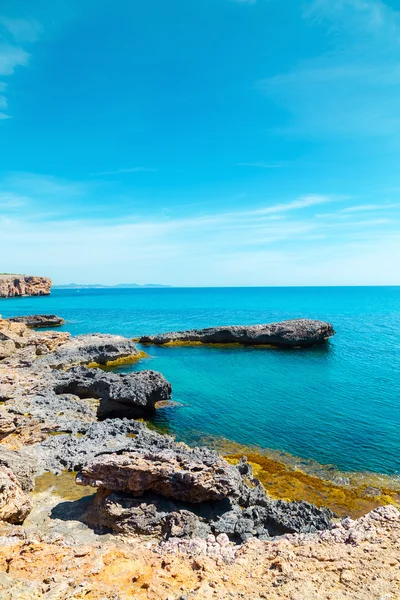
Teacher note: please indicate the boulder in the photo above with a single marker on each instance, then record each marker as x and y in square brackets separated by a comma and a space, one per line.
[129, 395]
[22, 465]
[7, 346]
[96, 348]
[182, 473]
[288, 334]
[39, 320]
[15, 504]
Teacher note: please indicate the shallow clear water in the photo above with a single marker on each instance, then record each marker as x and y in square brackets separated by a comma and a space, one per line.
[338, 404]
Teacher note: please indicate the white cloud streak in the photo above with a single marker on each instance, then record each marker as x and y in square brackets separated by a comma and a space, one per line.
[264, 245]
[13, 32]
[353, 90]
[127, 170]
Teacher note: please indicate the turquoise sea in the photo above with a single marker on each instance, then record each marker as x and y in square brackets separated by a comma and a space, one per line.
[338, 404]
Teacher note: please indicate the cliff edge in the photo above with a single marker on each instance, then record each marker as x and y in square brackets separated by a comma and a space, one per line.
[24, 285]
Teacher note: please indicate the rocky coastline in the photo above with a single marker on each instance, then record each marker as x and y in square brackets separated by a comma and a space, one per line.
[149, 496]
[24, 285]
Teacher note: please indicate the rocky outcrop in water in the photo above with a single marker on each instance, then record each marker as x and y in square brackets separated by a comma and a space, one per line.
[24, 285]
[37, 321]
[287, 334]
[130, 395]
[15, 504]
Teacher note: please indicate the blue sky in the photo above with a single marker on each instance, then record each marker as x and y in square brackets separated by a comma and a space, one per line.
[201, 142]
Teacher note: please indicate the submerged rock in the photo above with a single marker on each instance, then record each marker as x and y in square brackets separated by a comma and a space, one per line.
[15, 504]
[128, 395]
[96, 348]
[39, 320]
[298, 332]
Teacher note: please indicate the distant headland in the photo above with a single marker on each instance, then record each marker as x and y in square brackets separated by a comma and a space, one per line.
[12, 285]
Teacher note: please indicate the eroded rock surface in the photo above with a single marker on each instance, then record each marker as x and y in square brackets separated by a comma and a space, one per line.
[24, 285]
[128, 395]
[15, 504]
[298, 332]
[38, 320]
[97, 348]
[189, 492]
[182, 473]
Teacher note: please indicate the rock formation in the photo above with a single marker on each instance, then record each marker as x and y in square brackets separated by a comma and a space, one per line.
[15, 504]
[37, 321]
[129, 395]
[24, 285]
[189, 492]
[287, 334]
[93, 349]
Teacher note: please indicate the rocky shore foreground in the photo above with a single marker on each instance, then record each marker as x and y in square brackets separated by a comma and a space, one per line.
[148, 517]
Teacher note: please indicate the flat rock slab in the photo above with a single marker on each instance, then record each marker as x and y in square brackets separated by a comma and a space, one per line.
[289, 334]
[39, 320]
[94, 348]
[129, 395]
[184, 476]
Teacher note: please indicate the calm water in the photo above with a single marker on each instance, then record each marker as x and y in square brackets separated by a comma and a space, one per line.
[338, 404]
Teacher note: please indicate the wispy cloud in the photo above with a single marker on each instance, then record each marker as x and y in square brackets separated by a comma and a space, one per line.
[128, 170]
[22, 30]
[353, 90]
[13, 32]
[260, 165]
[370, 207]
[244, 1]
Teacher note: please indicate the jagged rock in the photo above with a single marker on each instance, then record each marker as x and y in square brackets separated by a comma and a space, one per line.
[24, 285]
[94, 348]
[23, 466]
[182, 473]
[39, 320]
[72, 450]
[15, 505]
[298, 332]
[192, 491]
[7, 346]
[150, 515]
[128, 395]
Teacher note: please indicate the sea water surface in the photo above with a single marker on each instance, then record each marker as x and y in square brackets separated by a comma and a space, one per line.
[337, 404]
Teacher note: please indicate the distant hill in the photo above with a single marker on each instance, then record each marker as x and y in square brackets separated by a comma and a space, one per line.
[100, 286]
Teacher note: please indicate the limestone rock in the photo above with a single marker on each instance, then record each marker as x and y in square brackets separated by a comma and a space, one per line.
[94, 348]
[189, 475]
[15, 505]
[39, 320]
[23, 467]
[128, 395]
[298, 332]
[24, 285]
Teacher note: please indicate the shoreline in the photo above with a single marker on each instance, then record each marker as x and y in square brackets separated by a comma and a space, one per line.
[72, 541]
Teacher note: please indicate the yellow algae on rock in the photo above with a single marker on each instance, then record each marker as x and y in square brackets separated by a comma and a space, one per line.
[287, 483]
